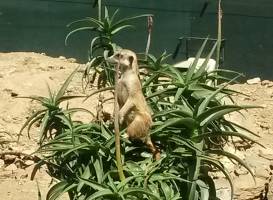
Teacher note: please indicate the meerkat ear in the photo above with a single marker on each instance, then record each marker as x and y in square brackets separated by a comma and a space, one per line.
[131, 60]
[135, 66]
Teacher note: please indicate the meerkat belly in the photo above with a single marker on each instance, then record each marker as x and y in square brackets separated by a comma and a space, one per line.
[123, 93]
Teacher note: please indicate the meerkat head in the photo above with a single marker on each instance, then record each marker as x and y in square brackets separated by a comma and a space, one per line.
[127, 60]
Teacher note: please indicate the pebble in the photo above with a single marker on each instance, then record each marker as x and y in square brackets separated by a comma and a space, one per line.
[15, 148]
[253, 81]
[13, 94]
[266, 154]
[240, 171]
[21, 174]
[9, 158]
[2, 163]
[244, 182]
[261, 173]
[246, 98]
[62, 57]
[28, 151]
[29, 162]
[271, 166]
[19, 163]
[264, 126]
[72, 60]
[11, 167]
[267, 83]
[223, 193]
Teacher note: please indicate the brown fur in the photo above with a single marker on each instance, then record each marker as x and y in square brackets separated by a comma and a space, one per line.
[134, 111]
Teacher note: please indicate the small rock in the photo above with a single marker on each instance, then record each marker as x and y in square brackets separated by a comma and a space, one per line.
[15, 148]
[29, 162]
[261, 173]
[19, 163]
[245, 182]
[240, 171]
[266, 153]
[267, 83]
[13, 94]
[21, 174]
[62, 57]
[11, 167]
[264, 126]
[270, 132]
[223, 193]
[253, 81]
[72, 60]
[246, 99]
[28, 151]
[9, 158]
[271, 166]
[253, 160]
[7, 90]
[2, 163]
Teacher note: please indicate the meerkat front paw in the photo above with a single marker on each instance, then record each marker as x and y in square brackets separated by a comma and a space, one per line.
[125, 136]
[121, 119]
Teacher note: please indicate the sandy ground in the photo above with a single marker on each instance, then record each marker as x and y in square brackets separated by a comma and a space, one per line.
[26, 74]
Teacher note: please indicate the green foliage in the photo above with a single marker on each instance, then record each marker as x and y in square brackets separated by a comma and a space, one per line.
[103, 43]
[189, 128]
[52, 117]
[188, 123]
[189, 120]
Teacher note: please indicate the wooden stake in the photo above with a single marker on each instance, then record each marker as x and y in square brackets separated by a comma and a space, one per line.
[117, 132]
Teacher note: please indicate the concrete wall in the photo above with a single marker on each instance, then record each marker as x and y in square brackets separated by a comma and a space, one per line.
[248, 28]
[40, 26]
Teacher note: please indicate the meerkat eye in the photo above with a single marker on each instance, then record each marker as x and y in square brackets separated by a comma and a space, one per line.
[119, 56]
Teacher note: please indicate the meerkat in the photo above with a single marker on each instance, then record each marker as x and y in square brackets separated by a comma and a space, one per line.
[134, 111]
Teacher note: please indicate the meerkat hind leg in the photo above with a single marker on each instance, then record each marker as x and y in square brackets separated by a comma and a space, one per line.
[152, 148]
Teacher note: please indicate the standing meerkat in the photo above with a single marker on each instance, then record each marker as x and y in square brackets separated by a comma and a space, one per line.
[134, 111]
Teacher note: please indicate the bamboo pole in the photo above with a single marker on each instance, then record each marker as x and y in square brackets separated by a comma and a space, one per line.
[117, 132]
[219, 36]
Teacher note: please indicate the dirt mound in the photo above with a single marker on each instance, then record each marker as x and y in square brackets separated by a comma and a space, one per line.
[24, 74]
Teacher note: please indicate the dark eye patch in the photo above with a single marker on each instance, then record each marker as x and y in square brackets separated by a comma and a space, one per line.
[119, 55]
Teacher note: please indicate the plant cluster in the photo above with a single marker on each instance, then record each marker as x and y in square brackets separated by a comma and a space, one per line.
[189, 128]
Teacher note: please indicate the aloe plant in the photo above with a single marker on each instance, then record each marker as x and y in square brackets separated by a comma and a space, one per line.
[189, 128]
[83, 159]
[105, 29]
[192, 124]
[52, 117]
